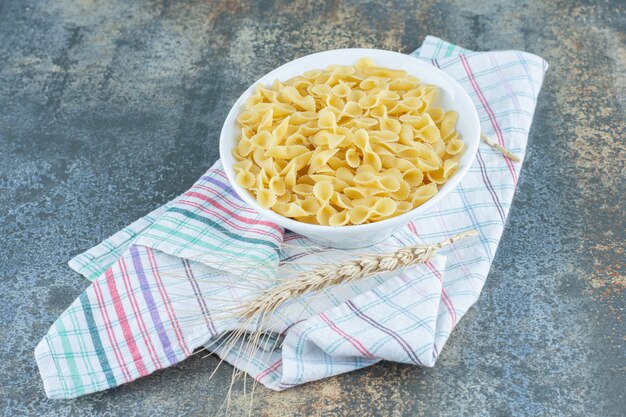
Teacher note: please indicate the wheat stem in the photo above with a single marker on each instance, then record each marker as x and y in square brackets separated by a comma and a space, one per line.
[499, 147]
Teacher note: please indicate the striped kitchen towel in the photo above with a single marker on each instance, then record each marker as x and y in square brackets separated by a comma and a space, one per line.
[159, 284]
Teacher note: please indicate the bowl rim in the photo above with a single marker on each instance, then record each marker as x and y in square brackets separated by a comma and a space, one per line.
[304, 228]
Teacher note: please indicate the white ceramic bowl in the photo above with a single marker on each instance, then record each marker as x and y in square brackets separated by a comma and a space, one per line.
[452, 97]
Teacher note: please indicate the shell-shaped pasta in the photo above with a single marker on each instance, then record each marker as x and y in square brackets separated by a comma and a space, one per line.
[262, 139]
[448, 124]
[455, 147]
[429, 98]
[352, 158]
[403, 191]
[404, 83]
[292, 95]
[334, 103]
[364, 62]
[310, 204]
[297, 139]
[391, 125]
[372, 159]
[245, 179]
[324, 214]
[249, 118]
[335, 163]
[415, 121]
[423, 193]
[286, 152]
[357, 192]
[359, 214]
[278, 109]
[341, 90]
[290, 175]
[243, 165]
[268, 94]
[437, 113]
[363, 123]
[327, 119]
[266, 121]
[385, 206]
[331, 140]
[266, 198]
[301, 117]
[298, 162]
[413, 177]
[341, 200]
[370, 83]
[277, 185]
[440, 148]
[383, 72]
[436, 176]
[429, 134]
[326, 169]
[323, 190]
[320, 158]
[245, 147]
[355, 95]
[303, 189]
[311, 75]
[384, 182]
[290, 209]
[339, 219]
[427, 165]
[412, 103]
[287, 197]
[406, 134]
[345, 175]
[449, 167]
[369, 102]
[280, 132]
[352, 109]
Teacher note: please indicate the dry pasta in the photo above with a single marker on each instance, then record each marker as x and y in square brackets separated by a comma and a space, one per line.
[346, 145]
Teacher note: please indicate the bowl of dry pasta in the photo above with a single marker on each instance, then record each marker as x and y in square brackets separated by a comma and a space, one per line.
[347, 146]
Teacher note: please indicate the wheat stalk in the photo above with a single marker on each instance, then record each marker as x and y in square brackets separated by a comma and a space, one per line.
[343, 273]
[256, 311]
[499, 147]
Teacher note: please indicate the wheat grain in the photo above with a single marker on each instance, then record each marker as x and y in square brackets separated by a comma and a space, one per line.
[342, 273]
[499, 147]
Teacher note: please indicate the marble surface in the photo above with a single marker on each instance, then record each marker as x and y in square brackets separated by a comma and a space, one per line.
[110, 108]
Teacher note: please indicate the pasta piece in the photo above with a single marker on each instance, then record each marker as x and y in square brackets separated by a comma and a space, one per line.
[449, 166]
[383, 72]
[303, 189]
[286, 152]
[352, 158]
[423, 193]
[413, 177]
[290, 210]
[324, 214]
[266, 198]
[277, 185]
[339, 219]
[341, 200]
[320, 158]
[323, 191]
[455, 147]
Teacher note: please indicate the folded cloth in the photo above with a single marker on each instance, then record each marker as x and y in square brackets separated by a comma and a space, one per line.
[159, 284]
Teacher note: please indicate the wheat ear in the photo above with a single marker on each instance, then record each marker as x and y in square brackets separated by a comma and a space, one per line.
[499, 147]
[342, 273]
